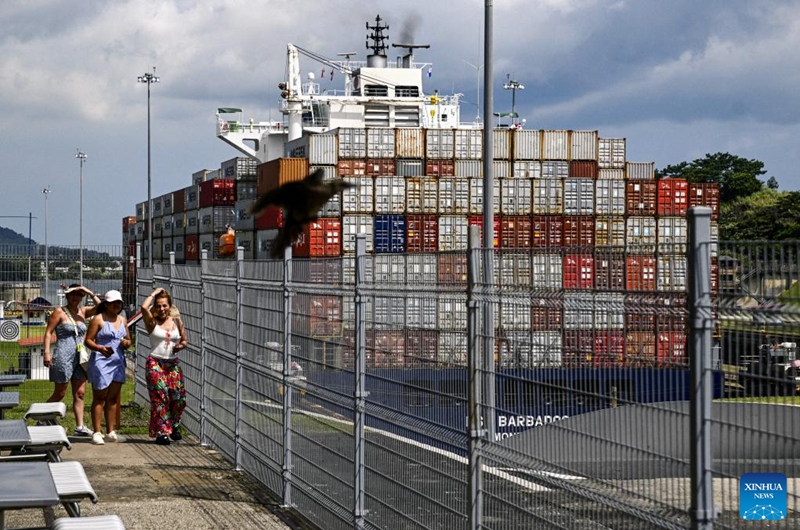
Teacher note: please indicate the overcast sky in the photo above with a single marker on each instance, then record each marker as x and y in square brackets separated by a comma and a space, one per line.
[677, 78]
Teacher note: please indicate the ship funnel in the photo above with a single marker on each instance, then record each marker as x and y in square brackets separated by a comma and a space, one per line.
[376, 61]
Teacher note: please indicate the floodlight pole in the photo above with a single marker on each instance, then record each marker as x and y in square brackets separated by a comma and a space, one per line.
[149, 79]
[82, 158]
[46, 192]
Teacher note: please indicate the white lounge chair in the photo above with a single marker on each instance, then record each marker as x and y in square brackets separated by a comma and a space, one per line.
[46, 413]
[99, 522]
[72, 485]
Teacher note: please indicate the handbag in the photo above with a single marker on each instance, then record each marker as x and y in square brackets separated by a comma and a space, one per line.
[83, 353]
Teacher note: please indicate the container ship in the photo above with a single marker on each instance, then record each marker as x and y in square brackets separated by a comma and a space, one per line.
[598, 240]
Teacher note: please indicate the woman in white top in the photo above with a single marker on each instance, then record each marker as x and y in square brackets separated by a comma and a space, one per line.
[164, 374]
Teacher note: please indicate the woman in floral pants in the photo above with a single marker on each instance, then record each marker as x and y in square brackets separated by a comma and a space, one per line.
[164, 374]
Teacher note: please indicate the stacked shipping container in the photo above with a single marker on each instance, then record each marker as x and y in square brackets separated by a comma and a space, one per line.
[576, 216]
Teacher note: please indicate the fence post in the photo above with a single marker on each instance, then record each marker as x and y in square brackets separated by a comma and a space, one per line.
[475, 429]
[360, 394]
[237, 434]
[285, 379]
[203, 351]
[700, 366]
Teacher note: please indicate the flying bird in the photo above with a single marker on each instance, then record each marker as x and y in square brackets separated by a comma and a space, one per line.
[301, 201]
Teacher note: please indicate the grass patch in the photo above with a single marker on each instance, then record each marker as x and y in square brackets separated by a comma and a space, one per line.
[134, 419]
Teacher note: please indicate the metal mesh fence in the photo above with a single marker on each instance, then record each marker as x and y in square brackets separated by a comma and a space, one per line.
[584, 388]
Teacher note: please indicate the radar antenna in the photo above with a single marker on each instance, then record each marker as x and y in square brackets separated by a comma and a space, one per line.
[378, 45]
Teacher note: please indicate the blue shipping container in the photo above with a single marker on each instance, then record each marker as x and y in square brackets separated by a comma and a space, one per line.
[390, 234]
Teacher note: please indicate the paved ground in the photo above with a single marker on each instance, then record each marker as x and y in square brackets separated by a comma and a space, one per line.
[180, 486]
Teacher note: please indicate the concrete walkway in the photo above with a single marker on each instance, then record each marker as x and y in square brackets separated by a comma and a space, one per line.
[181, 486]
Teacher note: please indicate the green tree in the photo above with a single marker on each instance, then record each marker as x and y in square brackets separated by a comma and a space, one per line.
[737, 177]
[754, 217]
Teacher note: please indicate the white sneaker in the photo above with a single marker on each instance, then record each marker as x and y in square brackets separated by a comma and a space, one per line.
[111, 437]
[97, 439]
[82, 430]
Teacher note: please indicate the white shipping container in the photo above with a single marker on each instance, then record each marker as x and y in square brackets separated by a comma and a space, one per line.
[453, 348]
[167, 208]
[583, 145]
[609, 311]
[439, 143]
[476, 196]
[640, 235]
[246, 189]
[640, 170]
[204, 175]
[578, 310]
[216, 219]
[422, 195]
[389, 268]
[380, 142]
[319, 149]
[514, 316]
[191, 222]
[609, 231]
[352, 142]
[453, 196]
[244, 219]
[672, 235]
[453, 232]
[611, 174]
[611, 153]
[349, 311]
[555, 169]
[409, 143]
[671, 273]
[527, 145]
[158, 227]
[191, 197]
[179, 248]
[390, 195]
[452, 313]
[247, 240]
[349, 272]
[239, 168]
[158, 206]
[263, 242]
[141, 211]
[468, 168]
[714, 248]
[468, 144]
[389, 311]
[501, 169]
[578, 196]
[166, 222]
[353, 225]
[178, 224]
[209, 243]
[513, 269]
[422, 269]
[547, 196]
[610, 197]
[556, 145]
[420, 312]
[158, 249]
[527, 169]
[501, 144]
[515, 197]
[547, 271]
[359, 199]
[546, 349]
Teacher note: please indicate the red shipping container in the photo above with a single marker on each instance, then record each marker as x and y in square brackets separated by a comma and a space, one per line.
[640, 348]
[641, 272]
[583, 169]
[440, 168]
[640, 197]
[609, 348]
[422, 347]
[515, 231]
[705, 194]
[325, 316]
[179, 200]
[452, 268]
[477, 220]
[547, 314]
[671, 348]
[191, 247]
[640, 311]
[671, 313]
[422, 233]
[270, 218]
[352, 167]
[547, 231]
[578, 231]
[389, 348]
[672, 196]
[578, 271]
[609, 271]
[322, 238]
[217, 192]
[578, 348]
[380, 167]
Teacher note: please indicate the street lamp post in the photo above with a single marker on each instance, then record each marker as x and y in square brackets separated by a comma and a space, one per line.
[82, 158]
[513, 85]
[46, 192]
[149, 79]
[478, 97]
